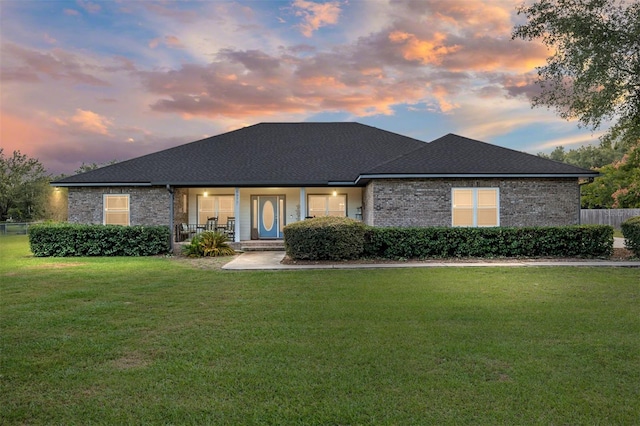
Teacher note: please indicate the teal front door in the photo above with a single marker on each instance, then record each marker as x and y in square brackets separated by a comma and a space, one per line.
[269, 216]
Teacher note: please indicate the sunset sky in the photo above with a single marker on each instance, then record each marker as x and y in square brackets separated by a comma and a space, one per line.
[93, 81]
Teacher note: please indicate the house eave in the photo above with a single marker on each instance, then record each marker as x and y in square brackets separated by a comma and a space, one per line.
[97, 184]
[250, 184]
[364, 177]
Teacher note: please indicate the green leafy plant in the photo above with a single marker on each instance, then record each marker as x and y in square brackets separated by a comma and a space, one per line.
[209, 243]
[60, 240]
[562, 241]
[631, 232]
[325, 238]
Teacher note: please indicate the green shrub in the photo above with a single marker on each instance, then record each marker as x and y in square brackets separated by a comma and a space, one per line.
[325, 238]
[208, 243]
[567, 241]
[61, 240]
[631, 232]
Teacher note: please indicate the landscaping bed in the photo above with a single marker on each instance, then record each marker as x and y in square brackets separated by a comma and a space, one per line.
[619, 255]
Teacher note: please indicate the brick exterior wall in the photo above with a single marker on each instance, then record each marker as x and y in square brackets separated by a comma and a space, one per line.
[180, 211]
[427, 202]
[148, 205]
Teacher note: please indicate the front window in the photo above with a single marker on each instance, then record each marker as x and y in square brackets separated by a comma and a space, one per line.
[220, 206]
[475, 207]
[328, 205]
[116, 209]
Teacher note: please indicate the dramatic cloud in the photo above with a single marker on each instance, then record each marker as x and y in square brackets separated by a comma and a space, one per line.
[424, 51]
[145, 75]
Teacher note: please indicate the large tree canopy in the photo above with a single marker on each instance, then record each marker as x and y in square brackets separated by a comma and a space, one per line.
[24, 184]
[593, 73]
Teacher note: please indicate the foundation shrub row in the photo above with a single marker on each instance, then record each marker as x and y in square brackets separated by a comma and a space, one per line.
[325, 238]
[340, 238]
[98, 240]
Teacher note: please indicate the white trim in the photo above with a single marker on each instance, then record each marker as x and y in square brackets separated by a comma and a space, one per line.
[236, 236]
[303, 203]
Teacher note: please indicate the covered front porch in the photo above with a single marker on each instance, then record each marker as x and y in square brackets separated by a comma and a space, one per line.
[258, 213]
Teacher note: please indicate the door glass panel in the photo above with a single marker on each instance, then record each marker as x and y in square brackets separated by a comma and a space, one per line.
[281, 215]
[268, 215]
[255, 213]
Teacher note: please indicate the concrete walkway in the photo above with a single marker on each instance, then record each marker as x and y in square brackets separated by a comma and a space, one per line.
[618, 242]
[270, 260]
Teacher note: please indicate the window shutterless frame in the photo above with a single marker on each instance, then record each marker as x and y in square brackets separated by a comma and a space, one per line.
[475, 207]
[327, 205]
[116, 209]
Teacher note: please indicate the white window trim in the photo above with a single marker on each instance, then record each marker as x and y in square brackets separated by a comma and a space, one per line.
[104, 207]
[475, 206]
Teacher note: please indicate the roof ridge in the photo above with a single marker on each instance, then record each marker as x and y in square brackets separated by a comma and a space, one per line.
[396, 158]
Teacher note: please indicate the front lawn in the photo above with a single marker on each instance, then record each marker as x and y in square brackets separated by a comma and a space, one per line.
[157, 341]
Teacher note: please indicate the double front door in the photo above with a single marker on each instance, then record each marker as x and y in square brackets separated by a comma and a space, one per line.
[267, 216]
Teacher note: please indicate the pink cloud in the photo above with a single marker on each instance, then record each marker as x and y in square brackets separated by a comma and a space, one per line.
[424, 51]
[316, 15]
[56, 64]
[168, 41]
[90, 121]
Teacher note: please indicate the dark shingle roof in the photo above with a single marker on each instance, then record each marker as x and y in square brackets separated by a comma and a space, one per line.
[457, 155]
[307, 154]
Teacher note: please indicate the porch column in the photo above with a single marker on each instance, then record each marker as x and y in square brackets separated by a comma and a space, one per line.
[303, 204]
[172, 228]
[236, 237]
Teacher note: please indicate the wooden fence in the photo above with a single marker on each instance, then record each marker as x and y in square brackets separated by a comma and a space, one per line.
[613, 217]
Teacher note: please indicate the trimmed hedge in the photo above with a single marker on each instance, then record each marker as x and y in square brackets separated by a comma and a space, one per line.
[325, 238]
[631, 232]
[60, 240]
[567, 241]
[332, 238]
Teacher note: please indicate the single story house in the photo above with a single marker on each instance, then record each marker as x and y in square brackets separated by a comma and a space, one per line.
[262, 177]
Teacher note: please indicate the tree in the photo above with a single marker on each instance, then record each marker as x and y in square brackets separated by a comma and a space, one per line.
[619, 185]
[24, 186]
[92, 166]
[587, 157]
[593, 73]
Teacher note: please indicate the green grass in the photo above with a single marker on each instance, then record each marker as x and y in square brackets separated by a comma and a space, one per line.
[157, 341]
